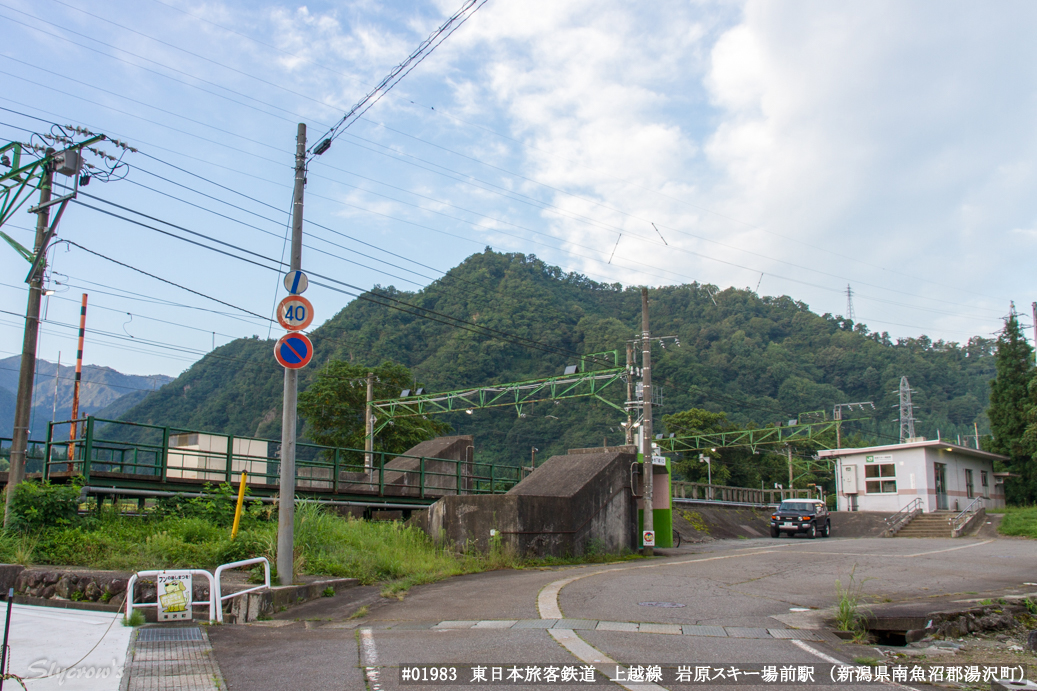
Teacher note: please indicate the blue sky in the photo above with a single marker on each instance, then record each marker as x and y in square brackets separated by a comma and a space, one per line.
[798, 147]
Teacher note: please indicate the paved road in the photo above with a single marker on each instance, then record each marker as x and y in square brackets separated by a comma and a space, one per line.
[737, 598]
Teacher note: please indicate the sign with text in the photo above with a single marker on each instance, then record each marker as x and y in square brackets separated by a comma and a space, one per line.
[174, 595]
[295, 313]
[648, 538]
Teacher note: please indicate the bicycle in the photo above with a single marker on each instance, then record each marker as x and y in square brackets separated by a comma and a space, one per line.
[676, 539]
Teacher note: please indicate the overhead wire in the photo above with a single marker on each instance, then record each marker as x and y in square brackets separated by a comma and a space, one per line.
[558, 190]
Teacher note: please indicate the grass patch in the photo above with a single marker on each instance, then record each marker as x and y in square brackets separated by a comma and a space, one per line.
[360, 613]
[850, 615]
[136, 618]
[1019, 520]
[326, 544]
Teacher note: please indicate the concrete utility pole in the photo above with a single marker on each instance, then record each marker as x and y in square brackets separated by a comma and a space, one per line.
[369, 426]
[286, 497]
[630, 395]
[791, 480]
[23, 403]
[646, 426]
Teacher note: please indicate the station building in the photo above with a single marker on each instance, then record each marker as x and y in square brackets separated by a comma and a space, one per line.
[946, 477]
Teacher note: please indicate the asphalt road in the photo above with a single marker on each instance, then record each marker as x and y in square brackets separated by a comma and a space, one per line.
[725, 603]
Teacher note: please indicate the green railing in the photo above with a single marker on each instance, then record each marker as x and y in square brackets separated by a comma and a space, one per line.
[126, 452]
[34, 455]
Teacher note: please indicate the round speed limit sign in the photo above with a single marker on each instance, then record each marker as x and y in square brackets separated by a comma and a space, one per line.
[295, 313]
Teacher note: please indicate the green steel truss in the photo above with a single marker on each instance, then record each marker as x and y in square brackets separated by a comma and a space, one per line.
[752, 438]
[19, 182]
[577, 385]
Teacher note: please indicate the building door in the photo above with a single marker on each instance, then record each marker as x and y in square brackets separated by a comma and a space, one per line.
[970, 491]
[941, 486]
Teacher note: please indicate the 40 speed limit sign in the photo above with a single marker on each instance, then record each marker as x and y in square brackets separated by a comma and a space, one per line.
[295, 313]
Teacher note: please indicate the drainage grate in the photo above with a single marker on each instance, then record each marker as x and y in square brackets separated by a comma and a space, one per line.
[155, 634]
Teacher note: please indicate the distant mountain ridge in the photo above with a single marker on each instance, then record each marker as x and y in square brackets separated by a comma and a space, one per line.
[760, 359]
[101, 391]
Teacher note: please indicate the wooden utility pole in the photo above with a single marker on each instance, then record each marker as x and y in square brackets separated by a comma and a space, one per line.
[27, 372]
[646, 425]
[286, 496]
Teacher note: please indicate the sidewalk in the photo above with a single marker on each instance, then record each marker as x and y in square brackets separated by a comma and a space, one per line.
[67, 649]
[172, 658]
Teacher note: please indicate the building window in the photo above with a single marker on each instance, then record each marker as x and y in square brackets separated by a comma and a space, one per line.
[983, 478]
[969, 491]
[880, 479]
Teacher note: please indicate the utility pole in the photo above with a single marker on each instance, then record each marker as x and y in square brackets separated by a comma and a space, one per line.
[791, 479]
[76, 385]
[369, 427]
[630, 395]
[286, 497]
[646, 426]
[849, 304]
[1033, 306]
[23, 404]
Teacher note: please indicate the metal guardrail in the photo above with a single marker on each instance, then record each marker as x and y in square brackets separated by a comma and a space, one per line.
[130, 604]
[138, 456]
[961, 520]
[898, 520]
[741, 495]
[234, 565]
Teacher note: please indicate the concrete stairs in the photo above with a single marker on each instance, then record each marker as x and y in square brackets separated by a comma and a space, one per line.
[928, 525]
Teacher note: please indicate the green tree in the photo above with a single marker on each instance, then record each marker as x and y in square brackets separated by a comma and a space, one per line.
[334, 407]
[1009, 402]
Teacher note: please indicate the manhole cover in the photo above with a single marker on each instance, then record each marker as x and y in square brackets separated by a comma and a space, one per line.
[155, 634]
[660, 604]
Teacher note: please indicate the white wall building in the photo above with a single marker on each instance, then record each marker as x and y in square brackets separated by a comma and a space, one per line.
[944, 476]
[204, 457]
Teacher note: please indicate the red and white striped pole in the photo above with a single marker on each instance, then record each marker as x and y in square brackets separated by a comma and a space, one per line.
[75, 389]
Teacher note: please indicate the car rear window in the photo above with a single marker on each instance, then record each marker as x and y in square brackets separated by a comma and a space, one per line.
[800, 506]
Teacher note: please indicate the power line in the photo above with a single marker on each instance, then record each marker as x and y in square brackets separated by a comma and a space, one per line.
[552, 246]
[424, 49]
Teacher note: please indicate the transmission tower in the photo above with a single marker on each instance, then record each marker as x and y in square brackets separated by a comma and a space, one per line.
[907, 414]
[849, 304]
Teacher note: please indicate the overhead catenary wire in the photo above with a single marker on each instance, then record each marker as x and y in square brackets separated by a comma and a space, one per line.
[598, 259]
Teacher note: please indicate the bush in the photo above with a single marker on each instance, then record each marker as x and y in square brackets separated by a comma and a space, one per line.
[217, 507]
[38, 505]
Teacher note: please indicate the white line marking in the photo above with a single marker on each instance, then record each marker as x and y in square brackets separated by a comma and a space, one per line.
[590, 655]
[828, 658]
[951, 549]
[369, 657]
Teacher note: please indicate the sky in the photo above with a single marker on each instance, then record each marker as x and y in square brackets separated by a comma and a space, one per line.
[789, 148]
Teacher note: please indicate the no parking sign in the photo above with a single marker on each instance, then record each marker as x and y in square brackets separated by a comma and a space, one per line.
[293, 351]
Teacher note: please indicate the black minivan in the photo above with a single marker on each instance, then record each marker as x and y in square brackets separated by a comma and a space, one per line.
[801, 516]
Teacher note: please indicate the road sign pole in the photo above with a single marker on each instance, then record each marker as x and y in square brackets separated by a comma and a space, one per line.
[23, 402]
[286, 503]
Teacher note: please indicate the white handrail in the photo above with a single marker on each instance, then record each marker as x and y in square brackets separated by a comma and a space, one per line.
[220, 597]
[897, 520]
[962, 518]
[133, 581]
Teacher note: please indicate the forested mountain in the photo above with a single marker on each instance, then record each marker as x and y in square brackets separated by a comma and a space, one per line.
[103, 392]
[759, 359]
